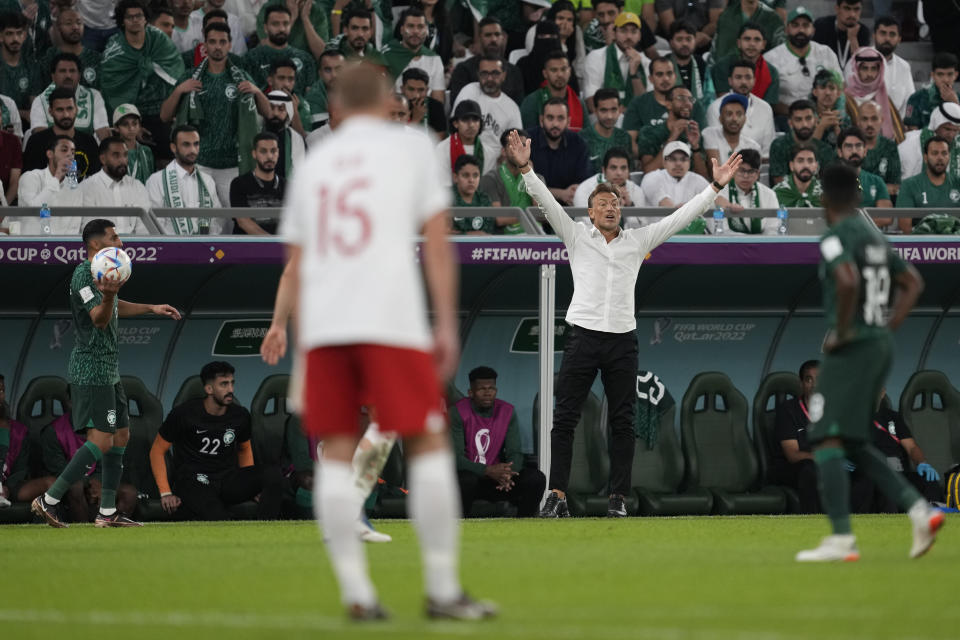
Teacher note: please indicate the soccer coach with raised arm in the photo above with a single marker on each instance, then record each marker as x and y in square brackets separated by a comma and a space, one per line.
[605, 260]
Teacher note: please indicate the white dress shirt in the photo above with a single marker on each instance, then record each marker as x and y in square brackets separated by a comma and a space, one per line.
[768, 200]
[659, 184]
[794, 85]
[911, 155]
[758, 126]
[40, 112]
[499, 114]
[37, 187]
[605, 273]
[189, 192]
[713, 138]
[100, 190]
[898, 79]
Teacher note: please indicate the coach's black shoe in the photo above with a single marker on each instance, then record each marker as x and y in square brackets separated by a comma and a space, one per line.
[616, 507]
[116, 519]
[361, 613]
[555, 507]
[463, 608]
[49, 512]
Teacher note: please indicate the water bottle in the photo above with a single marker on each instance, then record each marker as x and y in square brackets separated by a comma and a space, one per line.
[718, 221]
[782, 216]
[45, 220]
[72, 181]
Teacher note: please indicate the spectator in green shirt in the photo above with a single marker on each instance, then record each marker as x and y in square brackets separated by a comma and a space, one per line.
[486, 443]
[678, 126]
[556, 84]
[18, 76]
[852, 147]
[922, 103]
[466, 180]
[882, 157]
[801, 188]
[604, 135]
[750, 47]
[827, 94]
[309, 26]
[933, 187]
[739, 13]
[277, 42]
[803, 122]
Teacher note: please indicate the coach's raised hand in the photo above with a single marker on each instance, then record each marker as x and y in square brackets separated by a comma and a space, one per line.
[723, 174]
[518, 151]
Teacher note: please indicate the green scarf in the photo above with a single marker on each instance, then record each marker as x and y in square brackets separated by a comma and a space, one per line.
[745, 225]
[125, 71]
[85, 105]
[954, 168]
[517, 192]
[140, 162]
[613, 76]
[938, 224]
[370, 53]
[173, 200]
[190, 112]
[702, 92]
[790, 196]
[397, 57]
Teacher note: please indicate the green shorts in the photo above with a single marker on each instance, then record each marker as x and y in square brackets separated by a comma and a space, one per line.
[848, 390]
[100, 407]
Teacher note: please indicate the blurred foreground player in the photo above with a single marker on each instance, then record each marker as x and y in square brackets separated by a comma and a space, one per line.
[350, 221]
[99, 404]
[862, 277]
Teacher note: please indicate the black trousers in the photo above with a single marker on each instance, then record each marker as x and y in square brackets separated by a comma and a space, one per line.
[931, 492]
[526, 493]
[615, 356]
[802, 476]
[209, 496]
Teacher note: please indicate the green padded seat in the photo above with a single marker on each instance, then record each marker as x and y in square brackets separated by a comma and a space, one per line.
[931, 407]
[774, 389]
[146, 416]
[658, 475]
[720, 453]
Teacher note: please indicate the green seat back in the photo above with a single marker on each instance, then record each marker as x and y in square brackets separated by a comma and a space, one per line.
[146, 416]
[659, 469]
[590, 464]
[931, 407]
[42, 402]
[774, 389]
[268, 416]
[191, 389]
[716, 434]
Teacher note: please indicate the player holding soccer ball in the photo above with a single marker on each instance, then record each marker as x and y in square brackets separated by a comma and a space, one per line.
[868, 290]
[99, 403]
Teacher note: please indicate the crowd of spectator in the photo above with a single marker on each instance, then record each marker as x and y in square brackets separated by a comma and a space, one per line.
[213, 103]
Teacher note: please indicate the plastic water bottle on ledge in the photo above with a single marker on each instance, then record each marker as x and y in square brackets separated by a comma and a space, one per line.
[45, 229]
[782, 216]
[718, 221]
[72, 181]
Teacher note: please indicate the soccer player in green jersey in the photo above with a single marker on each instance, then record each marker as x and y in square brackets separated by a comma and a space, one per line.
[868, 290]
[99, 403]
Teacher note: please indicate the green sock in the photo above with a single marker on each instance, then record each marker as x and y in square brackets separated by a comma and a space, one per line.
[85, 457]
[891, 483]
[112, 470]
[834, 487]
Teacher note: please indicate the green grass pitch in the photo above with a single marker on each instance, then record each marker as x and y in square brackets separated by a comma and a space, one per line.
[647, 578]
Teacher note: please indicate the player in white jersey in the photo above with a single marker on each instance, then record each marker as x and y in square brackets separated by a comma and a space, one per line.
[350, 221]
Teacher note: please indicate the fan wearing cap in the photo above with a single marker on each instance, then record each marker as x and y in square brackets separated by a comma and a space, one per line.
[827, 97]
[866, 81]
[798, 59]
[801, 188]
[466, 123]
[678, 126]
[598, 31]
[944, 122]
[722, 140]
[922, 104]
[126, 122]
[758, 125]
[843, 33]
[935, 186]
[618, 65]
[292, 147]
[605, 261]
[675, 184]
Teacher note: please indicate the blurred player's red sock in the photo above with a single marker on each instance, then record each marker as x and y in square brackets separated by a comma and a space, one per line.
[338, 516]
[434, 504]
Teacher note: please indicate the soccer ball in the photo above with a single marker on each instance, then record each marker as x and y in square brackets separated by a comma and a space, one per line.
[111, 264]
